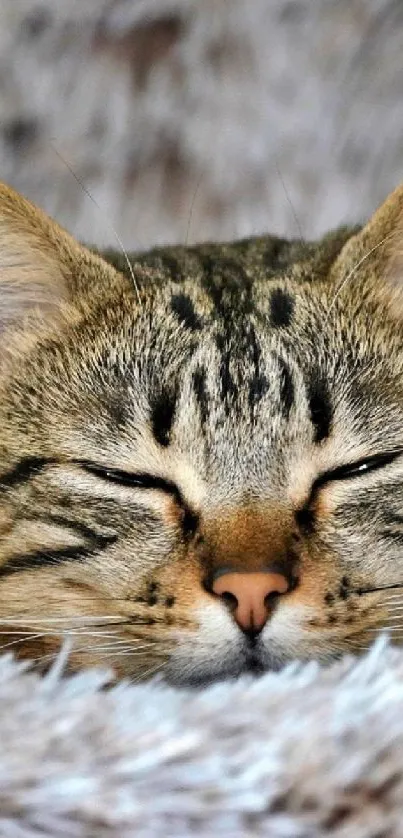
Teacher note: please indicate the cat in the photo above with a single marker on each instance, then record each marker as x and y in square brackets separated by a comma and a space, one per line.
[201, 449]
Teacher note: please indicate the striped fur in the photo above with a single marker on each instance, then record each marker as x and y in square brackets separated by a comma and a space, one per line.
[207, 415]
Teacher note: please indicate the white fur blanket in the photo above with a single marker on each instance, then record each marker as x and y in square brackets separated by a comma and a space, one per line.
[303, 753]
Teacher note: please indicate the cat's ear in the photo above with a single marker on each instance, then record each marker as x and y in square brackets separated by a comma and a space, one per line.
[373, 258]
[39, 261]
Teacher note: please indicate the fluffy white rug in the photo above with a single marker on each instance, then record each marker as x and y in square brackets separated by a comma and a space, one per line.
[304, 753]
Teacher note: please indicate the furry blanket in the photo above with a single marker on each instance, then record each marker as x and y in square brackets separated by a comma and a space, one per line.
[303, 753]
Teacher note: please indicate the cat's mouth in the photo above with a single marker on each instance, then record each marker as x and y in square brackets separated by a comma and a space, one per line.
[254, 665]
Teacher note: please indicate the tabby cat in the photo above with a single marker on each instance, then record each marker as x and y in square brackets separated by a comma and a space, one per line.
[202, 455]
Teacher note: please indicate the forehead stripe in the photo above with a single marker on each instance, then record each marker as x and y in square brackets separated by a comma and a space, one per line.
[320, 407]
[281, 308]
[202, 397]
[286, 388]
[162, 416]
[183, 308]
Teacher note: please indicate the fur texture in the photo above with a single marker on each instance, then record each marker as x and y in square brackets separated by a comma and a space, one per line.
[305, 753]
[215, 410]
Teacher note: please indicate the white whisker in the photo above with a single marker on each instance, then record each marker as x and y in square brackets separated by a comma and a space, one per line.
[27, 635]
[192, 207]
[120, 646]
[104, 217]
[289, 201]
[23, 619]
[130, 651]
[355, 269]
[149, 672]
[21, 640]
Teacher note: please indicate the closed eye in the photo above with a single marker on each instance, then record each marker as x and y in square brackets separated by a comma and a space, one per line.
[349, 471]
[357, 469]
[142, 480]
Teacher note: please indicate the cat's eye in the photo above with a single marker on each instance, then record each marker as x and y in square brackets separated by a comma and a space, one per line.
[304, 516]
[142, 480]
[359, 468]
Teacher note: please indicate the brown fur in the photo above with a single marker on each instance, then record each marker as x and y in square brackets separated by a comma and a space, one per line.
[210, 380]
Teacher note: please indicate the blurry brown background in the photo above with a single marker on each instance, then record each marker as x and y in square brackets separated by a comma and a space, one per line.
[252, 111]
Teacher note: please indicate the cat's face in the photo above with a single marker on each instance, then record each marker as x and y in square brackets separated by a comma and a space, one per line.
[205, 479]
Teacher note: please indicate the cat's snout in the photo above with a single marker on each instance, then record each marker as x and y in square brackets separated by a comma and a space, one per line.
[248, 595]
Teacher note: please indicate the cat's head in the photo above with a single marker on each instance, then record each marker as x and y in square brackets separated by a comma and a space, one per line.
[201, 473]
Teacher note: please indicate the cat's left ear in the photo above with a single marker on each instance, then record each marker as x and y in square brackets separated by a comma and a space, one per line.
[373, 258]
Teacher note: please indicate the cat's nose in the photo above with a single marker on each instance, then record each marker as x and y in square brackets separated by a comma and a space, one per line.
[248, 595]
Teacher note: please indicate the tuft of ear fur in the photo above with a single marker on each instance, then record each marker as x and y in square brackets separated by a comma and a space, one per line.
[41, 265]
[373, 258]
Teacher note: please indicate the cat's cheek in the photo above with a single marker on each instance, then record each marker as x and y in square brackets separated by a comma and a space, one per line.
[289, 636]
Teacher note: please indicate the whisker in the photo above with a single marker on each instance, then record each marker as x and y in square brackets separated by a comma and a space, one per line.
[191, 208]
[27, 637]
[104, 217]
[361, 646]
[20, 640]
[149, 672]
[51, 656]
[107, 649]
[82, 633]
[135, 652]
[289, 201]
[92, 620]
[355, 269]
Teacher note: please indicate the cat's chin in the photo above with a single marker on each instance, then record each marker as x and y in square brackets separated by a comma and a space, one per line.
[203, 675]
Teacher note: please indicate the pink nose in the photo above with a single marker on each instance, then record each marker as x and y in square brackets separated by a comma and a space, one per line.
[249, 592]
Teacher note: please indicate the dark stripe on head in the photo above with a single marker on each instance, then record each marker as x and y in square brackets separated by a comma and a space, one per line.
[183, 307]
[275, 254]
[162, 416]
[23, 471]
[199, 386]
[229, 387]
[258, 387]
[162, 260]
[227, 284]
[258, 384]
[320, 406]
[286, 388]
[281, 308]
[171, 263]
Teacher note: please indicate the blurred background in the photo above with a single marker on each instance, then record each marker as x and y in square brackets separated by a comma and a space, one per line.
[201, 119]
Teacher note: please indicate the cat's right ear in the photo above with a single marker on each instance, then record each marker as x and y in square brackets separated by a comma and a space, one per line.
[41, 265]
[32, 274]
